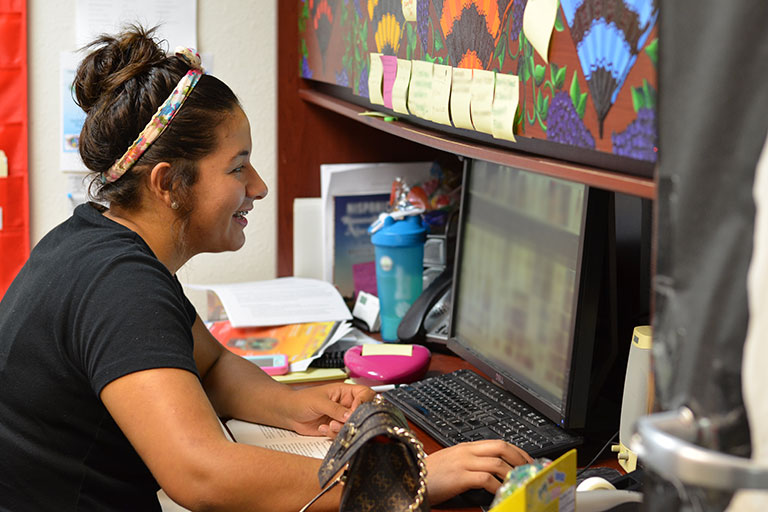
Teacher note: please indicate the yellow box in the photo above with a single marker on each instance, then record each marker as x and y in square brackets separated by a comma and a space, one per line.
[552, 490]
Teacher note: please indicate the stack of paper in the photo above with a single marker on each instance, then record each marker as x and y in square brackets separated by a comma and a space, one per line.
[301, 317]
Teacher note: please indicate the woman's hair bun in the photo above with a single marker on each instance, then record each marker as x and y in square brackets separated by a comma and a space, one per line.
[112, 61]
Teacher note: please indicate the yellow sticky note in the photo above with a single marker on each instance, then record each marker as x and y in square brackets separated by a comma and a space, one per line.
[482, 100]
[441, 94]
[409, 10]
[312, 375]
[461, 83]
[375, 77]
[420, 90]
[386, 349]
[538, 23]
[505, 99]
[400, 88]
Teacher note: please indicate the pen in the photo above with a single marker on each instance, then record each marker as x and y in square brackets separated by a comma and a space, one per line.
[384, 387]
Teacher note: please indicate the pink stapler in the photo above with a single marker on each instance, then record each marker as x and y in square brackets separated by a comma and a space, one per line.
[407, 365]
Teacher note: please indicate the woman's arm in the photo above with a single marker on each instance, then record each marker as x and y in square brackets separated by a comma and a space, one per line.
[239, 389]
[167, 417]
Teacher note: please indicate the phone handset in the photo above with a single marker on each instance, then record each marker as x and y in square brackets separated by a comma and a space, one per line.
[429, 311]
[439, 316]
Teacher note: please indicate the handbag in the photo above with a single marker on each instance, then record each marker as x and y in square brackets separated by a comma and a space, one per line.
[385, 464]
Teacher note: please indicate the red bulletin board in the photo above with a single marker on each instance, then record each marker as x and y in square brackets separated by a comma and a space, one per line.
[14, 188]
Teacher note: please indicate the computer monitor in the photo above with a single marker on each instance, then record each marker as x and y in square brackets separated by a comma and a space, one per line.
[529, 286]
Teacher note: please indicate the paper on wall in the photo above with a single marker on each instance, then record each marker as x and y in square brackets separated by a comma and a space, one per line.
[441, 94]
[389, 70]
[177, 19]
[409, 10]
[375, 79]
[538, 22]
[505, 101]
[400, 88]
[420, 89]
[461, 98]
[72, 116]
[482, 100]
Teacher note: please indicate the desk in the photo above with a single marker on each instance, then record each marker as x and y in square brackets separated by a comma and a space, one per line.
[443, 363]
[440, 363]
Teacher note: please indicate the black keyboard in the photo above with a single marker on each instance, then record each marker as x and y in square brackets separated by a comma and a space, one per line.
[462, 406]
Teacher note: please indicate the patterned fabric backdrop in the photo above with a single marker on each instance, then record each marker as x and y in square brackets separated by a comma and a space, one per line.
[598, 90]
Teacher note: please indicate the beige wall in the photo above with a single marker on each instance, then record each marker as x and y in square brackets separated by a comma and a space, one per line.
[241, 35]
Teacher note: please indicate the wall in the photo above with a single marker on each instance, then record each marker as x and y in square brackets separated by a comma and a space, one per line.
[241, 35]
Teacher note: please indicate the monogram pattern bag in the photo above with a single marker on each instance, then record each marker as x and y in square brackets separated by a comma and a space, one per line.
[385, 463]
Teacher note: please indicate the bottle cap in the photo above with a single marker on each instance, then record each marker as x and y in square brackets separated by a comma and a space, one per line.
[391, 232]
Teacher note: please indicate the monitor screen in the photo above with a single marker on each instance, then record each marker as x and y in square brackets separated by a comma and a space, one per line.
[526, 285]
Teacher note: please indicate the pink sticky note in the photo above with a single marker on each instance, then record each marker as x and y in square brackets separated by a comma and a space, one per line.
[389, 62]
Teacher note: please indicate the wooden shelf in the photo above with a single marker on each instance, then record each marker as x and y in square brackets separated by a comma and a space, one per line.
[608, 180]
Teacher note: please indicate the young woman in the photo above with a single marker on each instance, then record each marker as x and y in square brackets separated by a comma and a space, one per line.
[110, 384]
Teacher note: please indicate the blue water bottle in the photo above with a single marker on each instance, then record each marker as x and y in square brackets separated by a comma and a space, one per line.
[399, 248]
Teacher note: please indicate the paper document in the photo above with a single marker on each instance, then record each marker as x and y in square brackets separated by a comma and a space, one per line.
[279, 439]
[349, 246]
[286, 300]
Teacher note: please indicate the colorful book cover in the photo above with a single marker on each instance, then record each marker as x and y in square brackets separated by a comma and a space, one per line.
[297, 341]
[353, 263]
[552, 489]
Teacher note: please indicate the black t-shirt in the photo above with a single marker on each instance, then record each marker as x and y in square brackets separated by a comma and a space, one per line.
[91, 304]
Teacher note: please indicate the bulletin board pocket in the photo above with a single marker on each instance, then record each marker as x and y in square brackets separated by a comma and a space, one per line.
[13, 106]
[14, 143]
[11, 26]
[13, 202]
[13, 259]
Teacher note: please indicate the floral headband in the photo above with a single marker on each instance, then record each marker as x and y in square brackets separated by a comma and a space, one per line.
[162, 117]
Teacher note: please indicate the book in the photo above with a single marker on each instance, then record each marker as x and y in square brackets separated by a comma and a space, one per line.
[278, 439]
[301, 342]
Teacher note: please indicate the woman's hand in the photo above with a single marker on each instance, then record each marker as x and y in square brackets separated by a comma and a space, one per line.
[322, 410]
[479, 464]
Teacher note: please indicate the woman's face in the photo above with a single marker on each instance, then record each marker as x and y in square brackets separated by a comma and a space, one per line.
[225, 190]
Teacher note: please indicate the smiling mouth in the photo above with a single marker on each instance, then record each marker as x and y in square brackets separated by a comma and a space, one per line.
[240, 214]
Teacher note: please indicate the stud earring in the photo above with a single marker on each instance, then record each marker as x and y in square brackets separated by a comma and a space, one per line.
[175, 205]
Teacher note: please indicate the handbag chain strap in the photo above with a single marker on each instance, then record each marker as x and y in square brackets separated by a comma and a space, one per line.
[421, 461]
